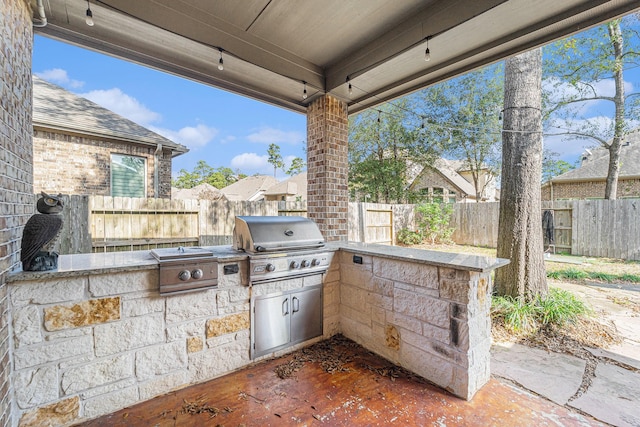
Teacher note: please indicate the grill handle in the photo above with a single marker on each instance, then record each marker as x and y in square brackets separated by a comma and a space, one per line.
[285, 307]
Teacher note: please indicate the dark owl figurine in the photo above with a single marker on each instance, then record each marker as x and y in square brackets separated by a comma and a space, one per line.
[40, 234]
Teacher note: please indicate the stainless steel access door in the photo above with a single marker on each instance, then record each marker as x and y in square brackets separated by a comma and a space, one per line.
[271, 322]
[306, 314]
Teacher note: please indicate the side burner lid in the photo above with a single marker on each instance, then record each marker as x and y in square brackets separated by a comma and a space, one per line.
[182, 252]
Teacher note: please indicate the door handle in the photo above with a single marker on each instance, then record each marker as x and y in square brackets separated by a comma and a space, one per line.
[296, 304]
[285, 307]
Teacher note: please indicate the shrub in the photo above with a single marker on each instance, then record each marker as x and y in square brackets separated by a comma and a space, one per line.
[409, 237]
[518, 315]
[433, 221]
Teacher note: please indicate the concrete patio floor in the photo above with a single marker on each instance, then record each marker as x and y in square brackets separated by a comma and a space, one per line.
[370, 392]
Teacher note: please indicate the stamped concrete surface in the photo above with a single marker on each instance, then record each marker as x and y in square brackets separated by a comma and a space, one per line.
[612, 394]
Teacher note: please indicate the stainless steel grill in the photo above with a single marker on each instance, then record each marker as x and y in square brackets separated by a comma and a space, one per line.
[288, 250]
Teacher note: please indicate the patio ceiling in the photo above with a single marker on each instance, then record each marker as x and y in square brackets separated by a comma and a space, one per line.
[270, 47]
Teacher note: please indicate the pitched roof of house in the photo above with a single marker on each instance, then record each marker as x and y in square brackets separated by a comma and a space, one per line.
[294, 186]
[250, 188]
[57, 108]
[595, 163]
[449, 169]
[203, 191]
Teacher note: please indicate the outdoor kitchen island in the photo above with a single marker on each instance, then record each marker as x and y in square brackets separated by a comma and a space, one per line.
[96, 335]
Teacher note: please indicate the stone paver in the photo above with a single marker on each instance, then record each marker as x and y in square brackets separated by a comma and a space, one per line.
[613, 397]
[553, 375]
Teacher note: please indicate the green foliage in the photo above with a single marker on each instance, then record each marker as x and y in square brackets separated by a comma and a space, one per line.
[552, 166]
[409, 237]
[275, 158]
[575, 274]
[297, 166]
[433, 221]
[383, 145]
[463, 120]
[519, 315]
[218, 177]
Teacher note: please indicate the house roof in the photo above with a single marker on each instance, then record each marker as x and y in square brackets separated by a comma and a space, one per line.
[449, 169]
[294, 186]
[272, 49]
[250, 188]
[596, 164]
[59, 109]
[203, 191]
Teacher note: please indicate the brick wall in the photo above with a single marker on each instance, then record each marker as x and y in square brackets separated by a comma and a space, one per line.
[75, 164]
[327, 166]
[16, 204]
[590, 190]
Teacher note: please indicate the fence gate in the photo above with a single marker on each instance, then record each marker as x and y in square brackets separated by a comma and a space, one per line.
[377, 224]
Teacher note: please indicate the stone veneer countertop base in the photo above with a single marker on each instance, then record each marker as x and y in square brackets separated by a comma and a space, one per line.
[109, 262]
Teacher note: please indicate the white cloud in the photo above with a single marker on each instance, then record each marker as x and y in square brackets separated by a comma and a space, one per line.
[250, 162]
[60, 77]
[562, 90]
[267, 135]
[227, 139]
[192, 137]
[123, 104]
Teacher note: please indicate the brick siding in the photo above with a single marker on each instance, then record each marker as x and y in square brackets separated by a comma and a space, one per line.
[590, 190]
[16, 178]
[76, 164]
[432, 179]
[327, 166]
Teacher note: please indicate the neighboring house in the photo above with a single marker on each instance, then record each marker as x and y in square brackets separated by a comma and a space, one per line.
[589, 180]
[80, 147]
[203, 191]
[293, 189]
[249, 189]
[450, 181]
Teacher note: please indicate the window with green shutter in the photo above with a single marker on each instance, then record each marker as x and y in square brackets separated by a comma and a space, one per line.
[128, 176]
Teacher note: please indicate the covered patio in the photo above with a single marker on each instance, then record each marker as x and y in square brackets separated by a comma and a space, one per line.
[327, 60]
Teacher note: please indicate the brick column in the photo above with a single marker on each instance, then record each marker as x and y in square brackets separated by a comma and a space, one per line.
[327, 166]
[16, 164]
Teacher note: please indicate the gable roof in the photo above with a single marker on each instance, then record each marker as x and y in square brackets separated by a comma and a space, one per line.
[59, 109]
[294, 186]
[448, 169]
[250, 188]
[596, 164]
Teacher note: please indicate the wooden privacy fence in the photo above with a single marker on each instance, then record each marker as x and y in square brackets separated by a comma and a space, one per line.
[97, 223]
[600, 228]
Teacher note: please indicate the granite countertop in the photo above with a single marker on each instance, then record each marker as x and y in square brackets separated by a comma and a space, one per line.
[441, 259]
[110, 262]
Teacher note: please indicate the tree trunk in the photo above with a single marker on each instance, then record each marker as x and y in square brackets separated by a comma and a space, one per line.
[611, 189]
[520, 223]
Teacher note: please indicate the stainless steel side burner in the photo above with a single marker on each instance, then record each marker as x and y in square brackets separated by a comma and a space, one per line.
[186, 269]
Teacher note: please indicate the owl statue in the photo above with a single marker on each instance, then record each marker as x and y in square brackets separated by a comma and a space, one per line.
[40, 233]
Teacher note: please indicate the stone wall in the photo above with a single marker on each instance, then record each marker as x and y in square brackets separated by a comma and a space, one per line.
[16, 203]
[431, 320]
[328, 167]
[86, 168]
[90, 345]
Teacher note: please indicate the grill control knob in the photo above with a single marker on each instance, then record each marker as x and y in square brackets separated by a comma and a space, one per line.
[184, 275]
[315, 262]
[305, 263]
[294, 265]
[197, 274]
[271, 267]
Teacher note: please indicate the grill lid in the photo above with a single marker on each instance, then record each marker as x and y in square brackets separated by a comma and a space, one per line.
[275, 233]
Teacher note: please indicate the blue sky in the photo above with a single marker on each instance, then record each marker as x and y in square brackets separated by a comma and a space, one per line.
[219, 127]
